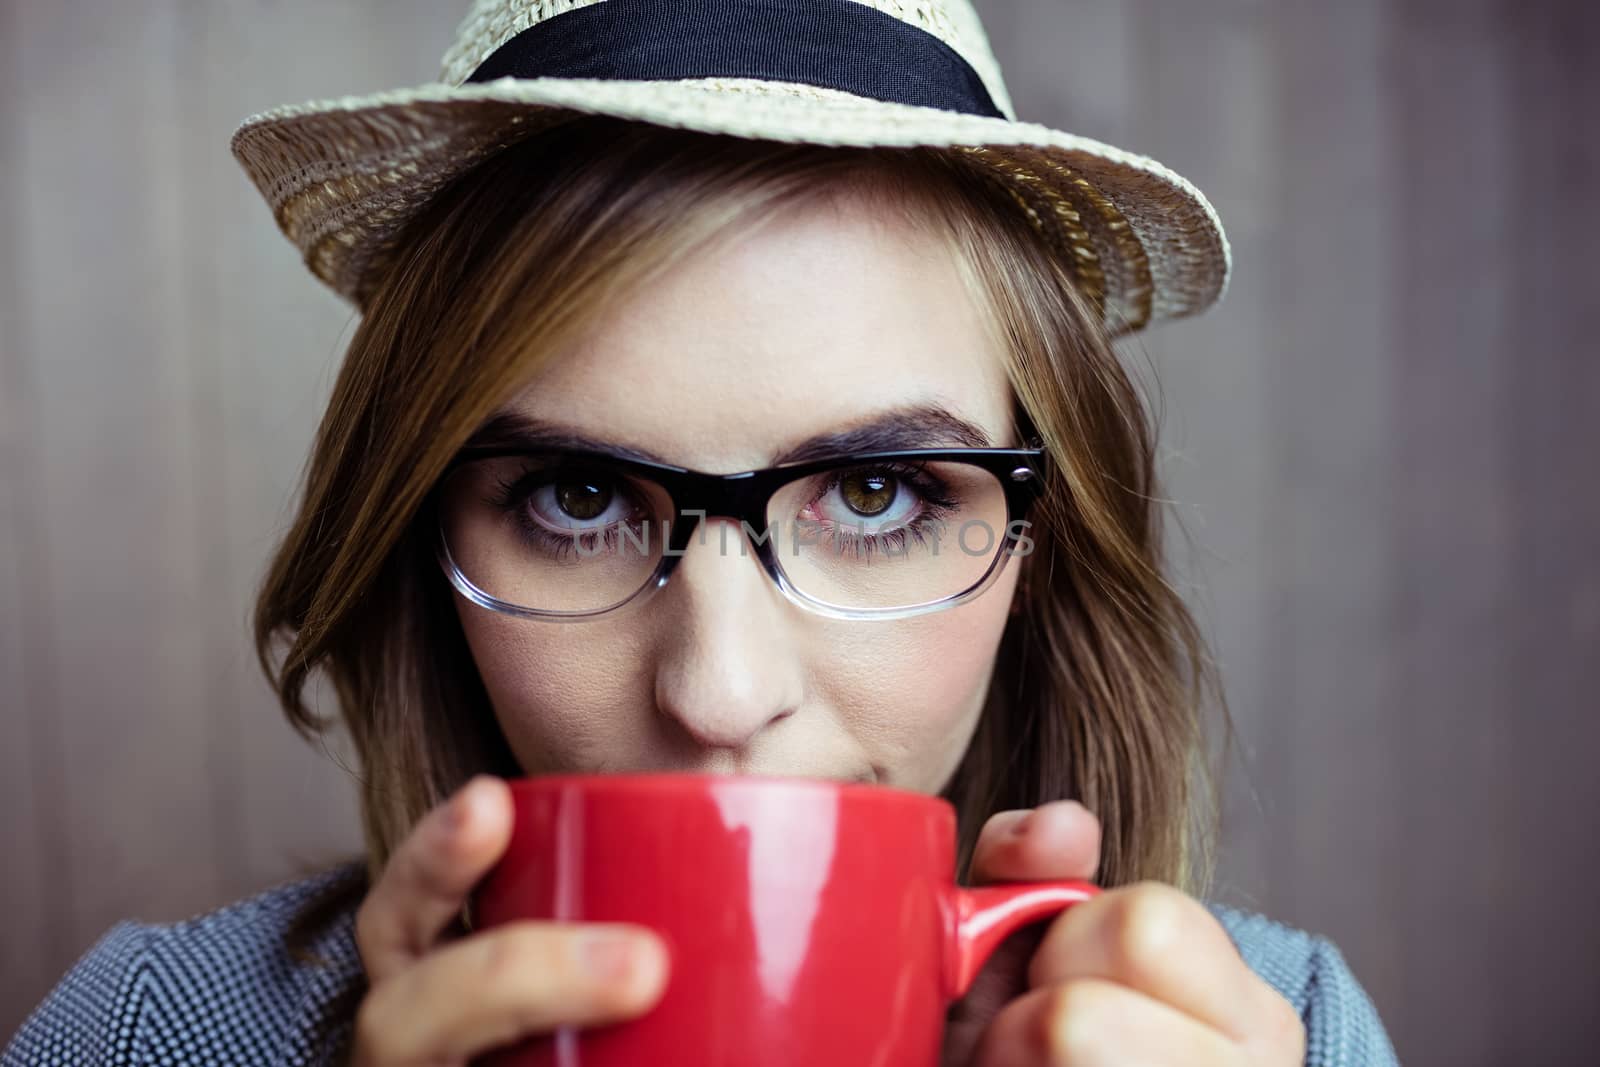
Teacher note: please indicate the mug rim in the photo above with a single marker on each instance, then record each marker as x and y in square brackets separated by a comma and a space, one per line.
[695, 781]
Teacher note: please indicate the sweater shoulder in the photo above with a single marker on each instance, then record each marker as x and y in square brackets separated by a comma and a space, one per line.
[222, 987]
[1342, 1024]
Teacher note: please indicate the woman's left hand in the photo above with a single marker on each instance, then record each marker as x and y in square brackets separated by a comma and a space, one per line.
[1141, 974]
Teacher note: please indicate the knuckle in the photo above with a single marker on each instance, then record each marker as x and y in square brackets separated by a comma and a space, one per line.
[1148, 924]
[1070, 1028]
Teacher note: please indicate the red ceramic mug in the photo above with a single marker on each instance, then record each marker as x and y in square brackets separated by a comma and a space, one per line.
[808, 922]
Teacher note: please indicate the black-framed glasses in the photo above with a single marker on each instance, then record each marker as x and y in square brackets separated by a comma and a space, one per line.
[559, 534]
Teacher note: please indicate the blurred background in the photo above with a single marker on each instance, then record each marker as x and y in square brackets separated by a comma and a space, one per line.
[1382, 448]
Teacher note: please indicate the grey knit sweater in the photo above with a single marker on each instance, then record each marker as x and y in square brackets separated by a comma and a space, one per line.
[222, 989]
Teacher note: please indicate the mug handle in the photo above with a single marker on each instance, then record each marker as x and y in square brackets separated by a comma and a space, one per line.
[983, 916]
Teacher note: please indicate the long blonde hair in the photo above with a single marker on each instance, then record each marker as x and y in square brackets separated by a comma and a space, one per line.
[1102, 679]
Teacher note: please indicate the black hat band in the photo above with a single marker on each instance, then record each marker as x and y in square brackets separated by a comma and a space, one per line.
[836, 44]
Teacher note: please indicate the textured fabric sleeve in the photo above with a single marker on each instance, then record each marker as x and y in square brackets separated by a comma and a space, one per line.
[1342, 1024]
[221, 989]
[95, 1014]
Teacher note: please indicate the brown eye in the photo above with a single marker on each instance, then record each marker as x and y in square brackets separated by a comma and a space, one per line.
[868, 495]
[583, 500]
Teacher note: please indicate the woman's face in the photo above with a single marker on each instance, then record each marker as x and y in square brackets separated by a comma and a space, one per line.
[827, 319]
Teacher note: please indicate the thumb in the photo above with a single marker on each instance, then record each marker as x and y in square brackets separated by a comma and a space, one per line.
[1058, 840]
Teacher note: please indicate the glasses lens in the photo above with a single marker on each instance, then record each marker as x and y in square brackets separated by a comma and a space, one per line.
[888, 535]
[547, 534]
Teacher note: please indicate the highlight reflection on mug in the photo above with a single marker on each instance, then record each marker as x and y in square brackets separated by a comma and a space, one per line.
[784, 896]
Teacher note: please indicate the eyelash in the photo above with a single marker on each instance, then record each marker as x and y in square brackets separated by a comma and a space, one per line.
[932, 493]
[512, 498]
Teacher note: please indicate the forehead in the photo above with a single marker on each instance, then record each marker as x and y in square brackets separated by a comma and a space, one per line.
[817, 320]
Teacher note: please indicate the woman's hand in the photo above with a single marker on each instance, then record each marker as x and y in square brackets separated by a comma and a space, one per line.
[434, 1000]
[1140, 974]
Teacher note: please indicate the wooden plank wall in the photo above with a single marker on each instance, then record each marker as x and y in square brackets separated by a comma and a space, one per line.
[1382, 449]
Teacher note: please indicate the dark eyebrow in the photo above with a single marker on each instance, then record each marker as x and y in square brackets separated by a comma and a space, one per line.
[511, 429]
[920, 426]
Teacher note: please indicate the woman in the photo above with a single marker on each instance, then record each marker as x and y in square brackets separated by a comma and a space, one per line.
[561, 312]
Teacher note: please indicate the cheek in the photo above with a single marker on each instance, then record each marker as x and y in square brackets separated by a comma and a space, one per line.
[561, 693]
[912, 691]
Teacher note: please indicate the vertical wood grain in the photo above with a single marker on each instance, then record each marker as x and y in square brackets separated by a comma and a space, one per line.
[1549, 626]
[114, 526]
[1450, 481]
[1067, 64]
[1204, 103]
[27, 748]
[269, 339]
[1324, 743]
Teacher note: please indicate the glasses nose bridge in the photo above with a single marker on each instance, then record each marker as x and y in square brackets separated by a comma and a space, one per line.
[698, 497]
[741, 496]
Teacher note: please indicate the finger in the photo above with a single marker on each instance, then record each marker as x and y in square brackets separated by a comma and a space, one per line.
[1160, 942]
[523, 978]
[1060, 839]
[1093, 1023]
[428, 878]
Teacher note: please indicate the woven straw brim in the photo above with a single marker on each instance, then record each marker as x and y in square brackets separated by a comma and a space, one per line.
[343, 177]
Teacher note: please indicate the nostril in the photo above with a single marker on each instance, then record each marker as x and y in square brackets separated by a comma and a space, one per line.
[721, 724]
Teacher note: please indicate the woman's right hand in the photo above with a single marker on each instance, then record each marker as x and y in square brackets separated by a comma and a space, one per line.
[437, 1000]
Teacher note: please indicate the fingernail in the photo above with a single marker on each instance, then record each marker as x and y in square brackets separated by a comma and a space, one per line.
[611, 957]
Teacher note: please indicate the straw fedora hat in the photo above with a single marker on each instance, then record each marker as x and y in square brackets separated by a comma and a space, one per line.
[343, 177]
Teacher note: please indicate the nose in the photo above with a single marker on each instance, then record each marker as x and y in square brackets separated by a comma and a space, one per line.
[728, 667]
